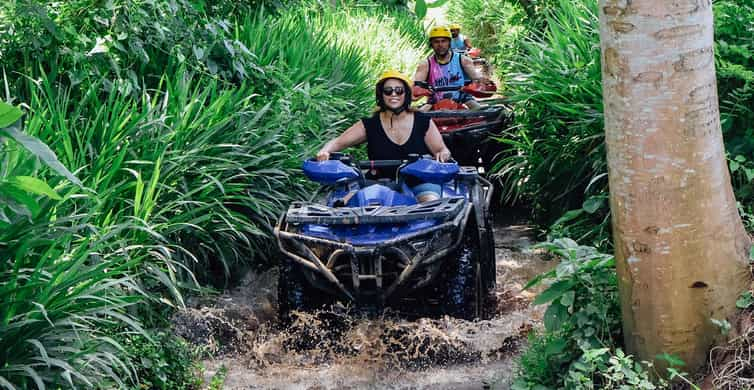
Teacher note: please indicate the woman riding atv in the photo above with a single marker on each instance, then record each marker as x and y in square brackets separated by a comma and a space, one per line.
[394, 132]
[445, 68]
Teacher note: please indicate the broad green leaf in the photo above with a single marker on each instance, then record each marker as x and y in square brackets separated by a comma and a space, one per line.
[555, 316]
[435, 4]
[592, 204]
[749, 174]
[198, 52]
[537, 279]
[569, 215]
[42, 151]
[9, 114]
[34, 185]
[18, 201]
[745, 300]
[740, 158]
[733, 166]
[420, 9]
[556, 346]
[673, 360]
[555, 291]
[568, 298]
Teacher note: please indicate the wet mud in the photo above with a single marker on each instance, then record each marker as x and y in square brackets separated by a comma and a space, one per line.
[334, 350]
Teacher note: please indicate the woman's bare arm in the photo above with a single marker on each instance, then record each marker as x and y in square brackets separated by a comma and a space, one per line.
[435, 144]
[354, 135]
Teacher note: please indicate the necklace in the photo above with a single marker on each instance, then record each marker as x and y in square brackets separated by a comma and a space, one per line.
[392, 128]
[394, 132]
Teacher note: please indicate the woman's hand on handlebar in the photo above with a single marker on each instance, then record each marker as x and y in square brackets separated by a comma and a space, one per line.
[323, 155]
[443, 155]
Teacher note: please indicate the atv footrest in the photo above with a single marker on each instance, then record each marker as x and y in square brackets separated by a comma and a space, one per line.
[316, 213]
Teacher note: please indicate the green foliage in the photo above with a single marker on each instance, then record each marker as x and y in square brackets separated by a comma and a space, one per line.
[126, 43]
[745, 300]
[600, 369]
[674, 369]
[543, 363]
[547, 55]
[556, 146]
[583, 315]
[420, 8]
[218, 380]
[580, 347]
[734, 42]
[161, 361]
[183, 125]
[495, 26]
[582, 293]
[63, 282]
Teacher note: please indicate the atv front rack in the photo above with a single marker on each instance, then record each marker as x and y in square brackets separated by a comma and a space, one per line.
[441, 209]
[438, 241]
[486, 113]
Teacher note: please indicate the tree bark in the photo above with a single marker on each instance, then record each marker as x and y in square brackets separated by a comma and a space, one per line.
[681, 249]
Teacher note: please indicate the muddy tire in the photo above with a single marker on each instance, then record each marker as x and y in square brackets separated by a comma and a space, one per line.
[489, 267]
[291, 289]
[466, 290]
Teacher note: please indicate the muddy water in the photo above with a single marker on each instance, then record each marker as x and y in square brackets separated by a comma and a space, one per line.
[331, 350]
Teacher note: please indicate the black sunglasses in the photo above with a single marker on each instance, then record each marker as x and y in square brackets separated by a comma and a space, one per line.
[387, 91]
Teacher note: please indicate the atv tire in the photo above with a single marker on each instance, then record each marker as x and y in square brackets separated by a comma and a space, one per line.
[489, 266]
[291, 289]
[466, 288]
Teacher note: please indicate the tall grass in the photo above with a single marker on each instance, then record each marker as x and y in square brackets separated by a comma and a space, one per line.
[498, 27]
[185, 162]
[66, 290]
[557, 141]
[65, 285]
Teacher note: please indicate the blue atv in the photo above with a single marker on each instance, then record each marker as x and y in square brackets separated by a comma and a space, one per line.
[370, 245]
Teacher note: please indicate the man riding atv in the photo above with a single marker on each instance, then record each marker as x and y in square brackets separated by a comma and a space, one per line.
[459, 42]
[445, 68]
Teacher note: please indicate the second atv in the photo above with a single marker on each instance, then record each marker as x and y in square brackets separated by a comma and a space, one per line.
[467, 133]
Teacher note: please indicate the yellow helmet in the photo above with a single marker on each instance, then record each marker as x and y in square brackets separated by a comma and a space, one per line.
[440, 32]
[455, 26]
[394, 74]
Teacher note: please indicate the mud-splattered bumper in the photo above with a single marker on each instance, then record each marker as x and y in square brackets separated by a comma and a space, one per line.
[375, 272]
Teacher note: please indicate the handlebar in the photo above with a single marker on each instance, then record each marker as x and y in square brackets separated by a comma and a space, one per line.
[380, 164]
[466, 87]
[369, 164]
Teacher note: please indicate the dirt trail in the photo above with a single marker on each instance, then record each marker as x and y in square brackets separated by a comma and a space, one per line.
[334, 351]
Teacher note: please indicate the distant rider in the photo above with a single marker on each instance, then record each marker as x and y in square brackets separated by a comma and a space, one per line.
[458, 42]
[444, 68]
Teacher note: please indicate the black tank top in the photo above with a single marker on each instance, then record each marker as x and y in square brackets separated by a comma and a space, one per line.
[380, 147]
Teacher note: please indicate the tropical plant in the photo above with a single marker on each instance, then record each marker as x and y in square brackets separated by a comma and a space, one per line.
[63, 283]
[185, 131]
[556, 145]
[583, 312]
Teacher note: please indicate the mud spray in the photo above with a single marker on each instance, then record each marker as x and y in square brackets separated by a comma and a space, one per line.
[332, 350]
